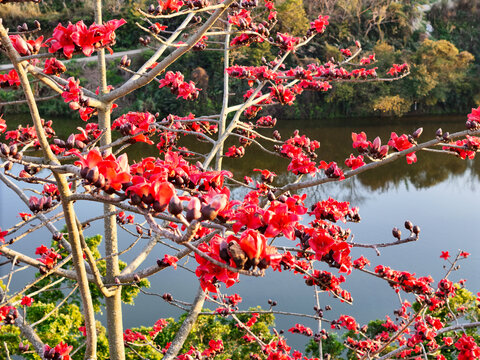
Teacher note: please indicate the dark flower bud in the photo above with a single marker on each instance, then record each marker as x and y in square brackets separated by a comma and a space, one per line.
[175, 206]
[328, 307]
[57, 236]
[408, 225]
[416, 134]
[100, 183]
[167, 297]
[439, 132]
[149, 199]
[37, 24]
[157, 207]
[13, 150]
[92, 176]
[5, 149]
[70, 142]
[223, 252]
[123, 61]
[84, 172]
[23, 347]
[237, 254]
[193, 210]
[151, 9]
[136, 278]
[8, 166]
[139, 230]
[396, 233]
[49, 354]
[416, 229]
[208, 212]
[135, 199]
[193, 214]
[270, 195]
[276, 135]
[59, 143]
[446, 136]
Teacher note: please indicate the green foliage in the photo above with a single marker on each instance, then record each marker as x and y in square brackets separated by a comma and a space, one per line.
[292, 17]
[392, 105]
[331, 345]
[65, 319]
[209, 327]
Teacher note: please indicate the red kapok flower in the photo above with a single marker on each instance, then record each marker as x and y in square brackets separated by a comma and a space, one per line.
[445, 255]
[354, 162]
[27, 301]
[2, 234]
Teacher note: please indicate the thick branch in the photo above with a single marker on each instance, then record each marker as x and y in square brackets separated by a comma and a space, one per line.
[187, 326]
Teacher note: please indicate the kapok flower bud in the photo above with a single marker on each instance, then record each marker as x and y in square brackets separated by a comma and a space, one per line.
[416, 229]
[5, 149]
[408, 225]
[57, 236]
[13, 150]
[396, 233]
[208, 212]
[416, 134]
[377, 143]
[193, 210]
[175, 206]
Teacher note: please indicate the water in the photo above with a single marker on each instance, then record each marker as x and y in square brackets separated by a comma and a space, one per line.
[440, 194]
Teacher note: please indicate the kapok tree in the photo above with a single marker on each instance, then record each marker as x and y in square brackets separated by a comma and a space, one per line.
[189, 205]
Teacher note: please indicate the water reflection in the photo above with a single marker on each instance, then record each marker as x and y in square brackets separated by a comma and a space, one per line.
[439, 193]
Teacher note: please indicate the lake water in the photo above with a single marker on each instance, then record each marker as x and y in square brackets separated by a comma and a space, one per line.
[439, 193]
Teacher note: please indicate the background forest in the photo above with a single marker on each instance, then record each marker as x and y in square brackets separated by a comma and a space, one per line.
[439, 39]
